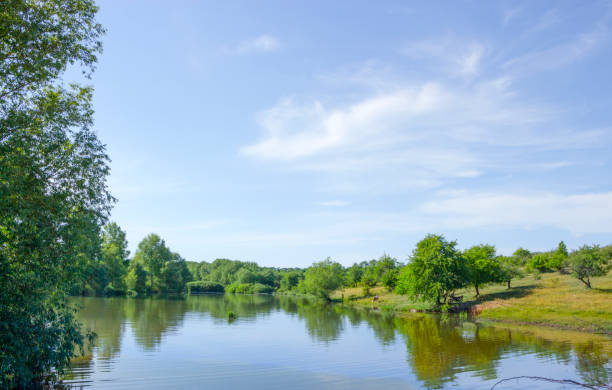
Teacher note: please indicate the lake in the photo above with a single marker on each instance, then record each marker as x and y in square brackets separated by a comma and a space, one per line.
[297, 343]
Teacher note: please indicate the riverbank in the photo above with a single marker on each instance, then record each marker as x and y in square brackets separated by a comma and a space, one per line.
[556, 300]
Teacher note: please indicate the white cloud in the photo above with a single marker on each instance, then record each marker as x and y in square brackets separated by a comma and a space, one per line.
[262, 43]
[411, 136]
[577, 213]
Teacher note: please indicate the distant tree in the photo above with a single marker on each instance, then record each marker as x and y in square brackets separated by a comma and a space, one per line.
[587, 262]
[389, 278]
[353, 275]
[174, 275]
[558, 259]
[510, 269]
[521, 256]
[322, 278]
[482, 266]
[539, 262]
[290, 280]
[136, 279]
[114, 254]
[153, 254]
[436, 269]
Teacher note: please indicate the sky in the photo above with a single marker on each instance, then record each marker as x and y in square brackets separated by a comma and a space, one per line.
[286, 132]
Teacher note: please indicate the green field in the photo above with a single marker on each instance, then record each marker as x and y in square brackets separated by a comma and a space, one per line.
[555, 300]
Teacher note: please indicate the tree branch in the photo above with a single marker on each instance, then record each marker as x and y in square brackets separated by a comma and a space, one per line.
[601, 386]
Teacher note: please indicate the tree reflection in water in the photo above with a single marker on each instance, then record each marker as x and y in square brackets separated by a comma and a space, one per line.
[439, 348]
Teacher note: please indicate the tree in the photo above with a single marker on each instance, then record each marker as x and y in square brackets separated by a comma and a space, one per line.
[290, 280]
[521, 256]
[152, 254]
[136, 279]
[389, 278]
[510, 269]
[115, 256]
[587, 262]
[482, 266]
[322, 278]
[174, 275]
[53, 193]
[353, 275]
[539, 262]
[436, 269]
[557, 260]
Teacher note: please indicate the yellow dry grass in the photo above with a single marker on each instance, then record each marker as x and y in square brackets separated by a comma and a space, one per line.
[555, 300]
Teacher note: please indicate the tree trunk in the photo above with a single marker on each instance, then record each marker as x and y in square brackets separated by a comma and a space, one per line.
[587, 282]
[477, 292]
[508, 283]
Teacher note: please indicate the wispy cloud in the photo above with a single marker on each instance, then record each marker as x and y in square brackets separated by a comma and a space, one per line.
[260, 44]
[558, 55]
[450, 53]
[577, 213]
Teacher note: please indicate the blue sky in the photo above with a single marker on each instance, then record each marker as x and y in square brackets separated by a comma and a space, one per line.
[286, 132]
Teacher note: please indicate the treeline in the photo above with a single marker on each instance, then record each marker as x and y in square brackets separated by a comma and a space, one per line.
[434, 271]
[437, 268]
[154, 269]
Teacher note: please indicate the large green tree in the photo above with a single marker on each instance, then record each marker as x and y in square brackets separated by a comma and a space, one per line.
[482, 266]
[152, 254]
[322, 278]
[114, 255]
[435, 270]
[53, 194]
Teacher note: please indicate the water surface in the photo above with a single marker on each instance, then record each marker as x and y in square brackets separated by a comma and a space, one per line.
[296, 343]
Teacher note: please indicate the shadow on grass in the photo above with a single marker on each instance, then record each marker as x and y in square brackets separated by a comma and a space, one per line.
[603, 290]
[514, 292]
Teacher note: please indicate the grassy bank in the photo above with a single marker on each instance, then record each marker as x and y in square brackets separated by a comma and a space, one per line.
[555, 300]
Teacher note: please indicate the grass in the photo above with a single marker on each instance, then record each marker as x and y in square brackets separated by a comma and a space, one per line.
[555, 300]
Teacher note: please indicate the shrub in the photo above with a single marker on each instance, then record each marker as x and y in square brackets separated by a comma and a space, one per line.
[203, 286]
[259, 288]
[249, 288]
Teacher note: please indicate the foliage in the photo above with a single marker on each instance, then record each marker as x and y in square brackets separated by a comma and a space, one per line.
[389, 278]
[249, 288]
[587, 262]
[557, 260]
[353, 275]
[290, 280]
[322, 278]
[540, 262]
[436, 269]
[136, 279]
[204, 287]
[53, 193]
[521, 256]
[482, 266]
[510, 269]
[115, 257]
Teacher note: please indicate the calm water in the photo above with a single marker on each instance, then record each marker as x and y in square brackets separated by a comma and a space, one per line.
[293, 343]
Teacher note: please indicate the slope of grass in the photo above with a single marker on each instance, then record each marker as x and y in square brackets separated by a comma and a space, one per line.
[556, 300]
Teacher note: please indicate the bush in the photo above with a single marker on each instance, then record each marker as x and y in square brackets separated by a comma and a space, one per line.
[110, 291]
[249, 288]
[203, 286]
